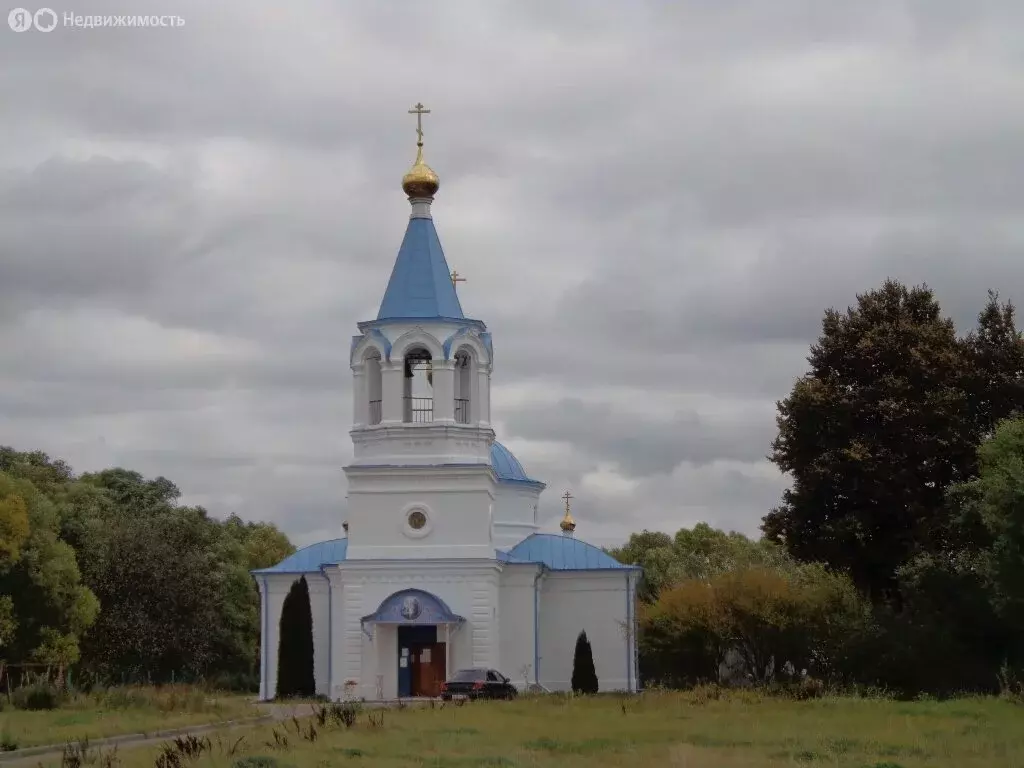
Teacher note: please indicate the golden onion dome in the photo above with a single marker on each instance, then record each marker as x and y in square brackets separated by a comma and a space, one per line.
[568, 525]
[420, 181]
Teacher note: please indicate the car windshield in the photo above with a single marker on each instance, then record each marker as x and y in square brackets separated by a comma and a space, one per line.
[469, 675]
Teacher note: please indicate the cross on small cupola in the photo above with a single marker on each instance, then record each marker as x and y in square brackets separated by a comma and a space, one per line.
[420, 183]
[419, 111]
[568, 525]
[456, 279]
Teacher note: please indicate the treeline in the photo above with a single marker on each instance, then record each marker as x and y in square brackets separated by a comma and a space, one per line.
[110, 575]
[896, 558]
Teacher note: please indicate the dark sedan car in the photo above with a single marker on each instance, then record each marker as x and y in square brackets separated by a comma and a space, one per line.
[478, 683]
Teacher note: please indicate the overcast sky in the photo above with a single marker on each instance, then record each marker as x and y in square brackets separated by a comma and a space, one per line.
[653, 204]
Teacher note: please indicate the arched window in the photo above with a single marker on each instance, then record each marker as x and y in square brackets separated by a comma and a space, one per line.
[418, 391]
[463, 386]
[373, 386]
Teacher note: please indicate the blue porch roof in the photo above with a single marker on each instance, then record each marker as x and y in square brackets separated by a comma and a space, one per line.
[413, 606]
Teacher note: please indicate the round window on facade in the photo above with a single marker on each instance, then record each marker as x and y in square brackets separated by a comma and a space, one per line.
[417, 519]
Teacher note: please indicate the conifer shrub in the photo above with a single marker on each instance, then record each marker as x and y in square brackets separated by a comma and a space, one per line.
[295, 653]
[584, 674]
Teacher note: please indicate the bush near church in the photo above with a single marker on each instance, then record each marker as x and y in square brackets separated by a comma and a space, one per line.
[813, 619]
[295, 676]
[584, 675]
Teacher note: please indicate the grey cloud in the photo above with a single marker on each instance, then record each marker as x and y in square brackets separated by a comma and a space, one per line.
[643, 446]
[192, 221]
[93, 228]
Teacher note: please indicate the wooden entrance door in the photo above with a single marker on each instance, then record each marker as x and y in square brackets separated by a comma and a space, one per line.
[428, 669]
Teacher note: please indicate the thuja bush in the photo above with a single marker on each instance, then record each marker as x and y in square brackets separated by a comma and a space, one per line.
[584, 674]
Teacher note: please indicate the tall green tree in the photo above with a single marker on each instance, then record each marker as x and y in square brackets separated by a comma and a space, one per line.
[584, 674]
[263, 544]
[873, 436]
[996, 499]
[177, 597]
[295, 674]
[13, 530]
[655, 553]
[47, 609]
[995, 366]
[693, 553]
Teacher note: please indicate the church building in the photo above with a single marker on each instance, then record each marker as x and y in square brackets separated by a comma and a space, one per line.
[441, 564]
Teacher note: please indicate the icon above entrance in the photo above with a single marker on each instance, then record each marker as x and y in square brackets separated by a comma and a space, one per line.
[412, 606]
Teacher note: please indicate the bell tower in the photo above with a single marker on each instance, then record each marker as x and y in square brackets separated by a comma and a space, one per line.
[420, 482]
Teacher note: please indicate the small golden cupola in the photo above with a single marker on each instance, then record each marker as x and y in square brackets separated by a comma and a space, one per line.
[568, 525]
[420, 181]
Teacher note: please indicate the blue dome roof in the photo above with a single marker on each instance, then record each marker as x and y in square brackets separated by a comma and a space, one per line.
[506, 465]
[562, 553]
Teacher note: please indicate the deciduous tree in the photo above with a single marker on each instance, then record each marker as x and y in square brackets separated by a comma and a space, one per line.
[873, 436]
[48, 604]
[805, 615]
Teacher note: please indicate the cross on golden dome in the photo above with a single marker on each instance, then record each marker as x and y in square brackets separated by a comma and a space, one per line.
[419, 111]
[568, 525]
[420, 181]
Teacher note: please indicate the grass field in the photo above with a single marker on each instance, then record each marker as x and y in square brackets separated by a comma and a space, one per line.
[121, 710]
[697, 729]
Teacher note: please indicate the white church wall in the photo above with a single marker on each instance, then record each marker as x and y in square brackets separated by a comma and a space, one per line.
[336, 650]
[455, 503]
[422, 443]
[515, 515]
[517, 611]
[592, 601]
[469, 589]
[273, 590]
[319, 603]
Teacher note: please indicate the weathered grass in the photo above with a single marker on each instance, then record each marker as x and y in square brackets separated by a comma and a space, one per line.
[114, 711]
[700, 729]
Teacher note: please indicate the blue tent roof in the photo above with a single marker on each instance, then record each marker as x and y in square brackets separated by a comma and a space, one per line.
[420, 284]
[506, 466]
[563, 553]
[309, 559]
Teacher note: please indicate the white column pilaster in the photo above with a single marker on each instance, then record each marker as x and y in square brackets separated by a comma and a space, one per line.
[444, 391]
[261, 582]
[337, 633]
[360, 401]
[277, 586]
[319, 604]
[392, 384]
[480, 410]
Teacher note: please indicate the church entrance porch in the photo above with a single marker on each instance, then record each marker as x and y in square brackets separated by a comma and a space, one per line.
[422, 663]
[411, 634]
